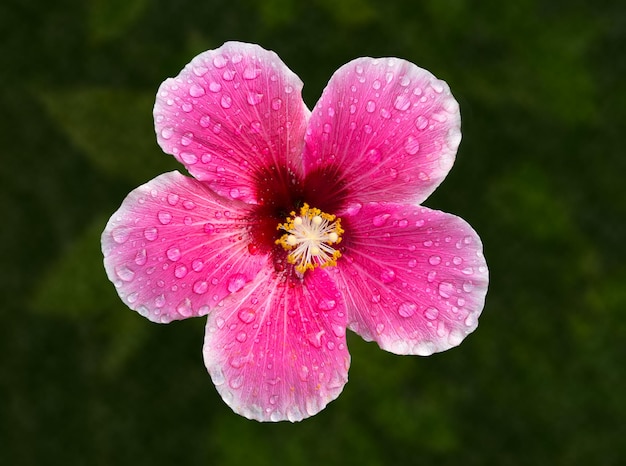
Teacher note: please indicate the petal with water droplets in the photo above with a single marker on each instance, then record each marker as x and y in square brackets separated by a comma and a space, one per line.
[174, 249]
[277, 350]
[229, 115]
[388, 127]
[416, 283]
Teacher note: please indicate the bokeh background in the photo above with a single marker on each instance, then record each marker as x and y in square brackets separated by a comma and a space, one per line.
[539, 174]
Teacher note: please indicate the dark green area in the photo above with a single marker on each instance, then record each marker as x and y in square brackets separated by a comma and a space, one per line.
[84, 381]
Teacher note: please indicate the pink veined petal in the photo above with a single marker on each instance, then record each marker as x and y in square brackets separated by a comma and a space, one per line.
[231, 115]
[174, 249]
[388, 128]
[277, 349]
[414, 279]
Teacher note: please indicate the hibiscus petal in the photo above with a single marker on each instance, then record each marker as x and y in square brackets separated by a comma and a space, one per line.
[174, 249]
[414, 279]
[230, 115]
[388, 128]
[277, 350]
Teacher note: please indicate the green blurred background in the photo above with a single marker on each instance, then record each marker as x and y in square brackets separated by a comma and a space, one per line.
[539, 175]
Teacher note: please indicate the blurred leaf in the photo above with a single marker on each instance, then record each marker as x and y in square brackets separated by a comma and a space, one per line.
[349, 12]
[76, 287]
[109, 19]
[113, 128]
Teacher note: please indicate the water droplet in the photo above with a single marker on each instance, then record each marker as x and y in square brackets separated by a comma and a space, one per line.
[217, 128]
[370, 106]
[196, 91]
[215, 86]
[411, 145]
[247, 315]
[437, 86]
[326, 304]
[303, 373]
[453, 138]
[412, 263]
[387, 276]
[254, 98]
[327, 128]
[434, 260]
[407, 309]
[164, 217]
[288, 89]
[402, 103]
[236, 383]
[219, 61]
[236, 282]
[456, 260]
[172, 199]
[209, 228]
[468, 271]
[374, 155]
[316, 338]
[226, 101]
[188, 158]
[120, 234]
[431, 276]
[431, 313]
[380, 328]
[159, 301]
[197, 265]
[468, 287]
[405, 81]
[380, 220]
[200, 70]
[277, 103]
[180, 271]
[455, 337]
[131, 298]
[200, 287]
[446, 289]
[376, 84]
[167, 133]
[241, 337]
[358, 69]
[385, 113]
[184, 308]
[151, 233]
[330, 345]
[255, 127]
[188, 204]
[421, 122]
[173, 254]
[251, 72]
[331, 112]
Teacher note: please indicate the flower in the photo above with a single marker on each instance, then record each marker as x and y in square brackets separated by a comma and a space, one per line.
[298, 225]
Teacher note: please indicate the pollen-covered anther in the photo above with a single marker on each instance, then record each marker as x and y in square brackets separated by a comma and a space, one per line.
[309, 237]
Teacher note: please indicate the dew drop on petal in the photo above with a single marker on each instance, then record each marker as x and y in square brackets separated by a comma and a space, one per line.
[446, 289]
[200, 287]
[151, 233]
[184, 308]
[120, 234]
[387, 276]
[236, 282]
[247, 315]
[196, 91]
[402, 103]
[180, 271]
[370, 106]
[226, 101]
[241, 337]
[172, 199]
[277, 103]
[326, 304]
[380, 220]
[431, 313]
[434, 260]
[407, 309]
[411, 145]
[197, 265]
[215, 86]
[173, 253]
[164, 217]
[188, 158]
[167, 133]
[219, 61]
[124, 273]
[421, 122]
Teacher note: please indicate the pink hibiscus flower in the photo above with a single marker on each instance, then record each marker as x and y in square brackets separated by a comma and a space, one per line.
[298, 225]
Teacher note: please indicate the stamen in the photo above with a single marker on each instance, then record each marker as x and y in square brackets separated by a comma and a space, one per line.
[309, 236]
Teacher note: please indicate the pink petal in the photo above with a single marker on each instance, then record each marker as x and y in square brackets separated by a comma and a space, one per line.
[389, 128]
[277, 350]
[174, 249]
[414, 279]
[231, 115]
